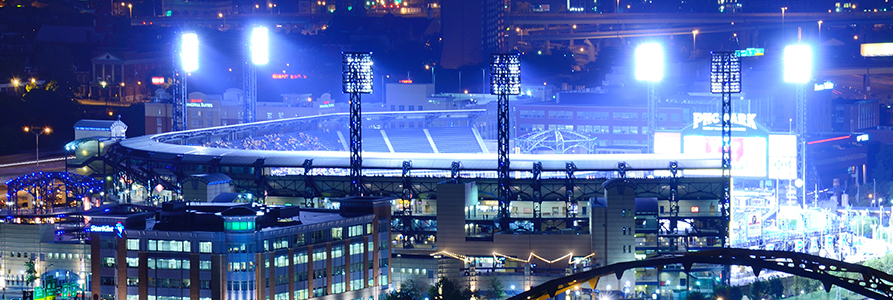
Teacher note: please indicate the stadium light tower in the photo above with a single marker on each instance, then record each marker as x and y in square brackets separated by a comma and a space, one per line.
[798, 70]
[505, 80]
[725, 79]
[260, 55]
[650, 68]
[188, 63]
[356, 79]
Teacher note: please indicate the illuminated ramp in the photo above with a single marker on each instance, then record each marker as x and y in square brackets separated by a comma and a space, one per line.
[860, 279]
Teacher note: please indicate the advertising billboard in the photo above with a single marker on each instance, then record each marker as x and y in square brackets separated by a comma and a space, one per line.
[783, 156]
[754, 226]
[748, 153]
[755, 152]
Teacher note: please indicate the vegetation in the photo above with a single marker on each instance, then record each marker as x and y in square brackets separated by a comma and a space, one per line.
[409, 290]
[446, 289]
[30, 271]
[495, 289]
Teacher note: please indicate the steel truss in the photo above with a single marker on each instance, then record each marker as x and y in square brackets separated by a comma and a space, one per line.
[180, 100]
[866, 281]
[249, 81]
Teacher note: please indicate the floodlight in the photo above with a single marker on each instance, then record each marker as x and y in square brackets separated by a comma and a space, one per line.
[189, 52]
[356, 72]
[260, 51]
[725, 72]
[505, 74]
[649, 62]
[797, 63]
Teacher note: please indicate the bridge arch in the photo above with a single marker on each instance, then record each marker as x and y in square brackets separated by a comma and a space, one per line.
[863, 280]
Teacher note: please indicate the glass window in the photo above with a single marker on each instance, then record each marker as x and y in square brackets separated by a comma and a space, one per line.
[133, 244]
[281, 261]
[204, 247]
[336, 233]
[300, 258]
[204, 265]
[133, 262]
[108, 262]
[337, 251]
[356, 230]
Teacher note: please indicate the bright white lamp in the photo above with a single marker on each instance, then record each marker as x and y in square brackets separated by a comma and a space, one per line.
[649, 62]
[797, 63]
[260, 52]
[189, 52]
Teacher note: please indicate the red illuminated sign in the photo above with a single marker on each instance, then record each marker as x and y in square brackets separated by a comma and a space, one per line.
[406, 81]
[289, 76]
[157, 80]
[695, 209]
[195, 100]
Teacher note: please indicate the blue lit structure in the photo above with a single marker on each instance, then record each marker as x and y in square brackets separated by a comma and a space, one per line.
[46, 185]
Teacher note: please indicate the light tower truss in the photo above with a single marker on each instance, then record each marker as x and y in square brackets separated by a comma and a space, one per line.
[356, 79]
[505, 80]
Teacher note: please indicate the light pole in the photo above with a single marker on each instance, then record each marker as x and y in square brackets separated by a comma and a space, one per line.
[433, 78]
[37, 132]
[15, 84]
[820, 29]
[783, 9]
[694, 39]
[43, 280]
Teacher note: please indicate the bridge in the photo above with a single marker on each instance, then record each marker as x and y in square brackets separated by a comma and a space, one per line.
[860, 279]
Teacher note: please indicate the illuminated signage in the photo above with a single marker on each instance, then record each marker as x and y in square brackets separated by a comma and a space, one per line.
[327, 104]
[877, 49]
[117, 229]
[289, 76]
[200, 104]
[750, 52]
[707, 119]
[827, 85]
[405, 81]
[748, 153]
[862, 137]
[102, 228]
[157, 80]
[695, 209]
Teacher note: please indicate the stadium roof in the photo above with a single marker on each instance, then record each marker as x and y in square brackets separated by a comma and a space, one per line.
[431, 161]
[161, 146]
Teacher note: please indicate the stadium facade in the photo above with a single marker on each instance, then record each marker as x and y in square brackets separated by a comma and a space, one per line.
[569, 212]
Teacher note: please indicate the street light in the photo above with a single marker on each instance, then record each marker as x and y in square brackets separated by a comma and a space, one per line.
[15, 84]
[783, 9]
[820, 29]
[37, 132]
[694, 38]
[433, 78]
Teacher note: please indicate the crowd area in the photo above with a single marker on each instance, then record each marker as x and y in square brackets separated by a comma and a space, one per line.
[277, 142]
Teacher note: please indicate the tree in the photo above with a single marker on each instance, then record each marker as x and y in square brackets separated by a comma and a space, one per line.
[409, 290]
[726, 292]
[495, 289]
[30, 271]
[776, 287]
[446, 289]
